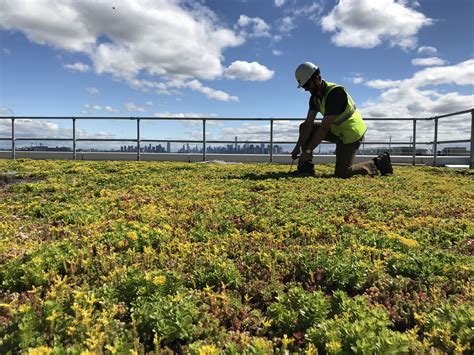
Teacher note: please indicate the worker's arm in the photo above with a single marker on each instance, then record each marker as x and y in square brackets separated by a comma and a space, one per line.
[336, 103]
[304, 133]
[321, 132]
[317, 138]
[308, 123]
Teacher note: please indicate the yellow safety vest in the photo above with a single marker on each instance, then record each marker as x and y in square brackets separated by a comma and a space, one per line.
[349, 125]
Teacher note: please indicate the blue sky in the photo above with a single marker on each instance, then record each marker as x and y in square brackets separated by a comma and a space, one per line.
[231, 58]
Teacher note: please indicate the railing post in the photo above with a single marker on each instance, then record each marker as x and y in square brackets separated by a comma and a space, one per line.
[74, 138]
[414, 143]
[435, 142]
[138, 139]
[471, 159]
[204, 140]
[271, 141]
[13, 139]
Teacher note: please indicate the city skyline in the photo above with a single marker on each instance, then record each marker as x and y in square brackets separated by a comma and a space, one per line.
[247, 148]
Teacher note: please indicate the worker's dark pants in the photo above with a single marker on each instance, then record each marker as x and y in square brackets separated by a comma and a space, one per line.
[345, 154]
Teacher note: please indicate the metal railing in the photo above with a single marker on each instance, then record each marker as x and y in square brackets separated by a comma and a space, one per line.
[205, 142]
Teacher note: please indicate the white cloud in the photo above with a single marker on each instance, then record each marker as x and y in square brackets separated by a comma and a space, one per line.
[185, 115]
[248, 71]
[131, 107]
[116, 60]
[6, 111]
[311, 11]
[411, 98]
[80, 67]
[279, 3]
[6, 51]
[209, 92]
[356, 79]
[168, 88]
[195, 85]
[163, 92]
[149, 103]
[110, 109]
[251, 131]
[258, 27]
[428, 61]
[101, 108]
[45, 129]
[193, 123]
[30, 128]
[55, 23]
[92, 90]
[459, 74]
[286, 24]
[367, 23]
[158, 38]
[383, 84]
[295, 14]
[276, 52]
[427, 50]
[402, 104]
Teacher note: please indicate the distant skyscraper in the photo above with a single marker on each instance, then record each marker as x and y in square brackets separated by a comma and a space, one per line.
[168, 147]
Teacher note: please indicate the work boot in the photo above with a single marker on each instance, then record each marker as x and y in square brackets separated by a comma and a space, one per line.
[306, 168]
[384, 163]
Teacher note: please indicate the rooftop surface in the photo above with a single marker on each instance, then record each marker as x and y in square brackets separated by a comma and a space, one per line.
[120, 256]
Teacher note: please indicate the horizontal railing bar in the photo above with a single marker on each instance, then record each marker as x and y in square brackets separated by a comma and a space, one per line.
[396, 118]
[326, 142]
[155, 118]
[69, 118]
[144, 118]
[219, 118]
[238, 142]
[454, 141]
[104, 140]
[41, 139]
[392, 142]
[169, 140]
[451, 114]
[381, 142]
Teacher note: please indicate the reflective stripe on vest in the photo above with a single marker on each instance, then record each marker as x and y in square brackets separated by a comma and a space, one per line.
[346, 116]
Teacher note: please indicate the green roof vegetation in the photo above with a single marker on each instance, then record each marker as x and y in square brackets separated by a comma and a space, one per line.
[131, 257]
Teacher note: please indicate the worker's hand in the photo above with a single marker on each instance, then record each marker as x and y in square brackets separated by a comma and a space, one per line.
[304, 157]
[295, 152]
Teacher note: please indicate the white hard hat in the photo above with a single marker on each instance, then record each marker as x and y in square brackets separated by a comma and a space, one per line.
[304, 72]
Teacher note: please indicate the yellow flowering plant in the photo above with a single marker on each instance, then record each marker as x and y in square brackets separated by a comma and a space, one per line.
[135, 257]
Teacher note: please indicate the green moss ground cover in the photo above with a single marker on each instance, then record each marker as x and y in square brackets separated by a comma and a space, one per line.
[133, 257]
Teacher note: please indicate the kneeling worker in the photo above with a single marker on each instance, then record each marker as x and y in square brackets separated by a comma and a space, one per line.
[342, 124]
